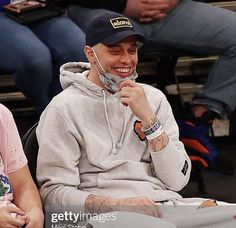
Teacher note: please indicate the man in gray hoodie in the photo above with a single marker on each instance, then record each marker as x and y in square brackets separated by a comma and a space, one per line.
[193, 27]
[107, 143]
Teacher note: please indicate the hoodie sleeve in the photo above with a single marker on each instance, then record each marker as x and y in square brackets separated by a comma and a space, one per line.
[172, 164]
[57, 169]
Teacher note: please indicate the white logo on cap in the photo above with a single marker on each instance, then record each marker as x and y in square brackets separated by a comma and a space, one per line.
[120, 22]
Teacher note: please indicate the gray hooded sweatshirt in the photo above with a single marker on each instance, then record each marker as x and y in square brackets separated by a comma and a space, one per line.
[88, 144]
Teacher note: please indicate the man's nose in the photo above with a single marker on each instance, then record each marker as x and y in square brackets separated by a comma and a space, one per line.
[125, 57]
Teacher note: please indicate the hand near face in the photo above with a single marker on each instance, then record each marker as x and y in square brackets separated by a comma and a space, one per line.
[133, 96]
[6, 218]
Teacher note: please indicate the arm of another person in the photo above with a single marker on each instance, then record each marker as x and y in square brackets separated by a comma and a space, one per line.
[26, 197]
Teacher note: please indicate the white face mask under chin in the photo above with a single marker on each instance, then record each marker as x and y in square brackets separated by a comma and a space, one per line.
[111, 81]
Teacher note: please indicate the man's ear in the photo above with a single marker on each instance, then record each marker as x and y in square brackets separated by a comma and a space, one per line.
[89, 54]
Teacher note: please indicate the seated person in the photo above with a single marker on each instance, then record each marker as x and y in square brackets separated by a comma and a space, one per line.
[34, 53]
[195, 27]
[121, 152]
[20, 203]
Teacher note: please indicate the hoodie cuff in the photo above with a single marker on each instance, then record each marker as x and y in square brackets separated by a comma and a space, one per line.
[169, 158]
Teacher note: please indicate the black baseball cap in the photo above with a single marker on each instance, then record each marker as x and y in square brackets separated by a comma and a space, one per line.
[111, 28]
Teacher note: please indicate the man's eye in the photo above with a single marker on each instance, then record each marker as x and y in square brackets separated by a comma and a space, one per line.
[115, 51]
[132, 51]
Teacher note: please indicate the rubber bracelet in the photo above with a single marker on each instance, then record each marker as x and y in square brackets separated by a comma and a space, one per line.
[152, 129]
[155, 134]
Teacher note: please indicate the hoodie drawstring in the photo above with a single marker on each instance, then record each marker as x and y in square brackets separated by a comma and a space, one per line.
[119, 144]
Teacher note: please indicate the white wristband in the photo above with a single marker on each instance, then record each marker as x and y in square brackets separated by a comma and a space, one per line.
[155, 134]
[153, 128]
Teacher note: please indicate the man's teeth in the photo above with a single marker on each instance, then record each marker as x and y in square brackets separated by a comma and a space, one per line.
[123, 70]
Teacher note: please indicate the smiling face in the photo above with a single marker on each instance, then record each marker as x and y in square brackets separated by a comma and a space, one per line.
[120, 59]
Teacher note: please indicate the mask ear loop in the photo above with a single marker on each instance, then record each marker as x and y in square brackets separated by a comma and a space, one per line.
[100, 65]
[106, 81]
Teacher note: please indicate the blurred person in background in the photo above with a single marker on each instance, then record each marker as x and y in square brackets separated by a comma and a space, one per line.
[34, 53]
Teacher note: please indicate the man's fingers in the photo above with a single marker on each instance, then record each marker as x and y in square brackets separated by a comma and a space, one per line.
[158, 211]
[132, 95]
[142, 205]
[155, 208]
[150, 210]
[129, 83]
[147, 209]
[125, 101]
[126, 89]
[125, 98]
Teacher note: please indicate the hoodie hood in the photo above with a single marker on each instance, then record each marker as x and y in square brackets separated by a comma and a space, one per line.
[70, 73]
[76, 73]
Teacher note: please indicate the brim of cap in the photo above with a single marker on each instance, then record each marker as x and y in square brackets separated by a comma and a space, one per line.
[116, 38]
